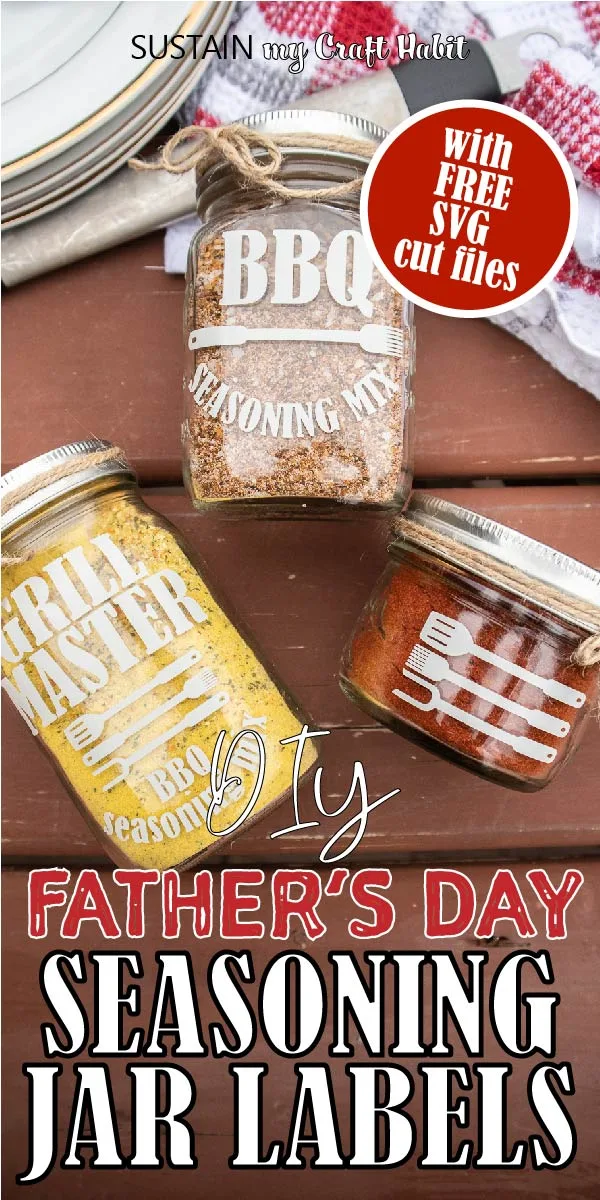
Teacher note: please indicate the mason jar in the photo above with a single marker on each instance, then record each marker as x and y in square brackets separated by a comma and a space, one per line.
[475, 643]
[298, 353]
[157, 713]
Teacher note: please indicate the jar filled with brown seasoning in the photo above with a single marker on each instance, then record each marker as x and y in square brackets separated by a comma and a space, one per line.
[298, 352]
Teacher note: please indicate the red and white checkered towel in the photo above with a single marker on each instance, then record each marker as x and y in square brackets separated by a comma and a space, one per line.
[562, 93]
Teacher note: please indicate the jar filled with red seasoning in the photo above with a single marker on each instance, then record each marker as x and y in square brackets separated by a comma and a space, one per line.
[479, 643]
[298, 352]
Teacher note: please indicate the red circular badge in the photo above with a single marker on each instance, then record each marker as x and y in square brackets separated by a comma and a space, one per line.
[469, 208]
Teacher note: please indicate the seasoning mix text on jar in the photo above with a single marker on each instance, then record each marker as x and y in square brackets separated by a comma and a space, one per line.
[299, 353]
[121, 660]
[475, 643]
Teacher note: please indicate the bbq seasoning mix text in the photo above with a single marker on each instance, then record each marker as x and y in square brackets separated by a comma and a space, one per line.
[297, 381]
[122, 661]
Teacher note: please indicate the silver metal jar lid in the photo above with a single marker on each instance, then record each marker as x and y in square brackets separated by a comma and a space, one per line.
[317, 121]
[505, 545]
[37, 467]
[309, 121]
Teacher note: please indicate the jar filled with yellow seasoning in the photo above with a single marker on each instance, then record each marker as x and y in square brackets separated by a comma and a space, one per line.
[167, 728]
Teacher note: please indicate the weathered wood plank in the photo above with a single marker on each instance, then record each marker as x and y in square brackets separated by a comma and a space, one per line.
[96, 349]
[319, 576]
[575, 968]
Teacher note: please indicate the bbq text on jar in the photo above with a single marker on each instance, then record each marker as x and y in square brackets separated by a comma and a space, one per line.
[479, 643]
[299, 353]
[121, 660]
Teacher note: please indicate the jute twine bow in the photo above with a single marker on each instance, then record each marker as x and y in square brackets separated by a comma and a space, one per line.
[43, 479]
[573, 609]
[198, 147]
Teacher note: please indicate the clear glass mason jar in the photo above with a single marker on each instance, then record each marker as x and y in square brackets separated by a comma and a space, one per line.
[453, 655]
[298, 353]
[122, 661]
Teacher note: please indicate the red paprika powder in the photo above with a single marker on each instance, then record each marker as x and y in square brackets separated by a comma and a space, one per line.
[479, 643]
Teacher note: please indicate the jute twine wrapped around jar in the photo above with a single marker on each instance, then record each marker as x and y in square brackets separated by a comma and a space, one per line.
[43, 479]
[570, 607]
[200, 148]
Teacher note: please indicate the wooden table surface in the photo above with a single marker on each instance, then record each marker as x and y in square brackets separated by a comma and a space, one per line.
[95, 350]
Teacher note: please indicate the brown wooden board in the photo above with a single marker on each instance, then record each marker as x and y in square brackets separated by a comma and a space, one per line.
[574, 962]
[96, 349]
[319, 575]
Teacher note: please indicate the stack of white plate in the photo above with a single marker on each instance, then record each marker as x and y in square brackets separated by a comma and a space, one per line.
[76, 105]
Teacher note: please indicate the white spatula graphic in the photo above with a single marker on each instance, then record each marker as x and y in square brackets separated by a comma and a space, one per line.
[453, 638]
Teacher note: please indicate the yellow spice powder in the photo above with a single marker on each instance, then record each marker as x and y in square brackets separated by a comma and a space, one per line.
[155, 814]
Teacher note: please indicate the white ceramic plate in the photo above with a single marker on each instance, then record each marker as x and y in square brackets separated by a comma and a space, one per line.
[125, 150]
[77, 97]
[37, 39]
[51, 178]
[88, 172]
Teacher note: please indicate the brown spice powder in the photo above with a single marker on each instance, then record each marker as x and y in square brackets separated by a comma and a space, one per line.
[365, 461]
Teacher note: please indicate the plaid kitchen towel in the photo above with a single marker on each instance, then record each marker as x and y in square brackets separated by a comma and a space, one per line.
[561, 93]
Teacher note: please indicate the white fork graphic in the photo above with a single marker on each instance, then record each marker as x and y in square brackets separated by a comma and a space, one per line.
[523, 745]
[193, 688]
[373, 339]
[86, 729]
[200, 713]
[435, 668]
